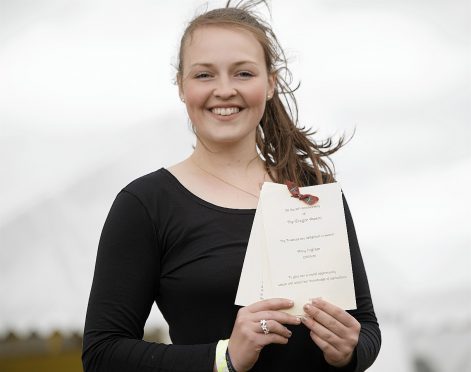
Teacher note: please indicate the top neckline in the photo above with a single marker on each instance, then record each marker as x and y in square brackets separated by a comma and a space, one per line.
[205, 202]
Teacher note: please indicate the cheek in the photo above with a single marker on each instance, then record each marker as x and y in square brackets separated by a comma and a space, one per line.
[195, 97]
[259, 90]
[257, 97]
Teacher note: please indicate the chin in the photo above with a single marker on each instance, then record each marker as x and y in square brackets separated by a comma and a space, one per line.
[225, 139]
[227, 136]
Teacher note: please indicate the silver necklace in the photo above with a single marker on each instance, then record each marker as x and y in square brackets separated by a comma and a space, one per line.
[228, 183]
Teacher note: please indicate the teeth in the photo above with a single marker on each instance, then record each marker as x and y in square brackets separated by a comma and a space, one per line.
[224, 111]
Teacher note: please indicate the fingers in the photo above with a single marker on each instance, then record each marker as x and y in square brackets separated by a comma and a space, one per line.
[322, 333]
[333, 356]
[273, 338]
[269, 310]
[334, 330]
[335, 312]
[324, 322]
[273, 327]
[332, 317]
[278, 316]
[270, 304]
[277, 333]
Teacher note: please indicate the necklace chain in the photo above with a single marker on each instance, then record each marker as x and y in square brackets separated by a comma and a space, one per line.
[228, 183]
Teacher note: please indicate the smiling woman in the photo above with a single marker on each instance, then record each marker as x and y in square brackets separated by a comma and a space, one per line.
[178, 236]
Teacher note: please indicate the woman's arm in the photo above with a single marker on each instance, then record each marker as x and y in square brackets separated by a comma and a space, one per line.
[369, 341]
[125, 285]
[349, 340]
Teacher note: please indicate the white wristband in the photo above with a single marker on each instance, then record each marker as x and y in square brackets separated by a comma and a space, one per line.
[221, 364]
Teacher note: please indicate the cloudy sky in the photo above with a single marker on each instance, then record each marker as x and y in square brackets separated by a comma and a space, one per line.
[84, 84]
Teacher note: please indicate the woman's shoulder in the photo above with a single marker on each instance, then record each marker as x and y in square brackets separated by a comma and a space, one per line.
[149, 184]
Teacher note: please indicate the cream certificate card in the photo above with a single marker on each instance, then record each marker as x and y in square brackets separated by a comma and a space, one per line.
[298, 251]
[251, 278]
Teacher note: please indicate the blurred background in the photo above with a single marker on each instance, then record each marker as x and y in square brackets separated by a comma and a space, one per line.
[87, 104]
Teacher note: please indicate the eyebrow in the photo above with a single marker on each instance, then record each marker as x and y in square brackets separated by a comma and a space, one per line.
[203, 64]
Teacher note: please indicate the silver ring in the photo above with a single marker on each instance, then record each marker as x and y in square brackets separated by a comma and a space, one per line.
[264, 327]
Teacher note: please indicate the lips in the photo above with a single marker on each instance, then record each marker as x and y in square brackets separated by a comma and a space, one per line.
[225, 111]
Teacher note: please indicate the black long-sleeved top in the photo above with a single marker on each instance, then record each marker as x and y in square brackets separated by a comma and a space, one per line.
[162, 243]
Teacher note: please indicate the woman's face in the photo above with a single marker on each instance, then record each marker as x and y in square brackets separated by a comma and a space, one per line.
[224, 84]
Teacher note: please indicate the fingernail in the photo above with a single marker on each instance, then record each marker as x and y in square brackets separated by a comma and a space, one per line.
[303, 319]
[307, 307]
[290, 303]
[289, 333]
[316, 300]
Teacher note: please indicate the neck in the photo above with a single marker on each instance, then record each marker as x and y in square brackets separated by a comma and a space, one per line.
[237, 159]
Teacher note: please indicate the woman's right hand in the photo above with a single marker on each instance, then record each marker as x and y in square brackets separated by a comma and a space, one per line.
[248, 339]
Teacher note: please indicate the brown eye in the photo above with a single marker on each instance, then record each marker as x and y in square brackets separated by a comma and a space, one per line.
[245, 74]
[202, 75]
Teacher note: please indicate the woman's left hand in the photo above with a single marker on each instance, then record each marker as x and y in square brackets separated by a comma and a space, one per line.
[333, 329]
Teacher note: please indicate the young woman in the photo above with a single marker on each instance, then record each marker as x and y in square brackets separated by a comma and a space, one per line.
[178, 236]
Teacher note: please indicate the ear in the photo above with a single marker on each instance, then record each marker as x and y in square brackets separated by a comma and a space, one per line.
[180, 87]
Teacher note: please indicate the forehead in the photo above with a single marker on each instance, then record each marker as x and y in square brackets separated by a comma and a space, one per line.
[214, 44]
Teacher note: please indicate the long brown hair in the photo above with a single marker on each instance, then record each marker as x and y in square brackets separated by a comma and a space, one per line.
[287, 148]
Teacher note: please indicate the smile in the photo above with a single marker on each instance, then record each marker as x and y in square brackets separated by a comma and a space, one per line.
[225, 111]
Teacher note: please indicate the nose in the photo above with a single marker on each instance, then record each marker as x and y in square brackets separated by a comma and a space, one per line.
[224, 89]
